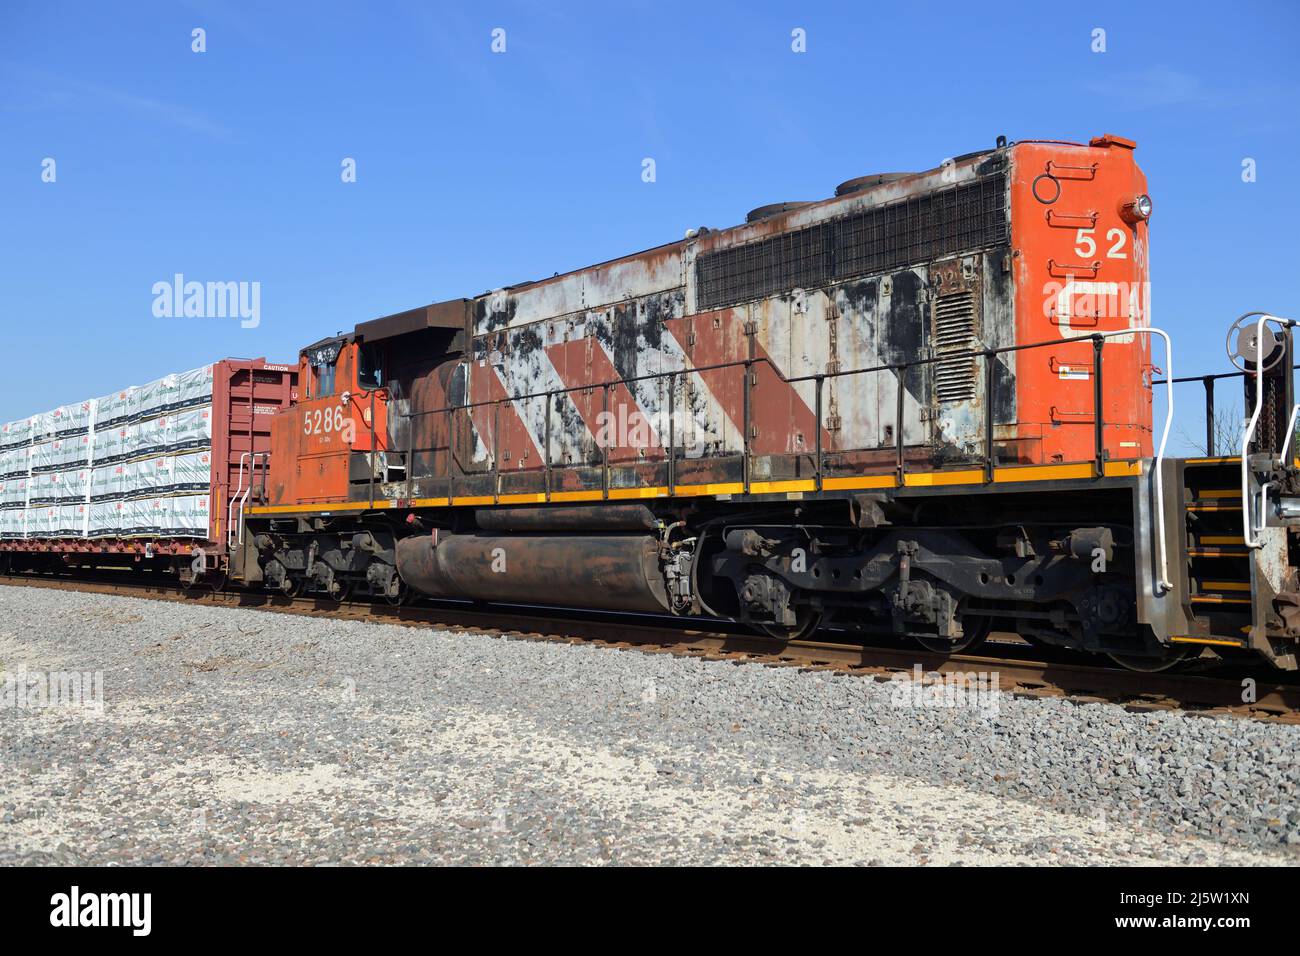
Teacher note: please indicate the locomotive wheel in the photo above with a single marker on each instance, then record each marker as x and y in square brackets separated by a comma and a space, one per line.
[189, 580]
[975, 630]
[808, 622]
[401, 597]
[342, 589]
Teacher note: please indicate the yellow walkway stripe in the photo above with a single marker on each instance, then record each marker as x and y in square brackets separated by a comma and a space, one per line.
[1215, 642]
[922, 479]
[1217, 599]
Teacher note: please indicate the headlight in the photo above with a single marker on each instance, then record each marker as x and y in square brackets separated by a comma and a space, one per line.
[1135, 209]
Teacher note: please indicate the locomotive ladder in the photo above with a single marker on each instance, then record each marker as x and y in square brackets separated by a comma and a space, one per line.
[1219, 564]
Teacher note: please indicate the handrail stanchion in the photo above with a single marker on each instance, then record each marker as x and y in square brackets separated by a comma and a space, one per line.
[1158, 462]
[548, 447]
[374, 454]
[1098, 411]
[748, 417]
[410, 458]
[988, 416]
[1209, 416]
[451, 431]
[604, 445]
[817, 463]
[496, 452]
[898, 422]
[672, 435]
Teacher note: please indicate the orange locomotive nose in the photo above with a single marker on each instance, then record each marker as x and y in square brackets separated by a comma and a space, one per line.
[1079, 233]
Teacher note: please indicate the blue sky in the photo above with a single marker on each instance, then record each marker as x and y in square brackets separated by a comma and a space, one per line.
[476, 169]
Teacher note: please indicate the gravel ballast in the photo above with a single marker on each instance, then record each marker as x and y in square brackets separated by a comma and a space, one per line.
[239, 736]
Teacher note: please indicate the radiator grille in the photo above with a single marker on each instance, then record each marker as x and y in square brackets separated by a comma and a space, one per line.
[954, 332]
[915, 230]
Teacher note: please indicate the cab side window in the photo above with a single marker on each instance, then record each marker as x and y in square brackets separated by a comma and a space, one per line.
[371, 373]
[322, 380]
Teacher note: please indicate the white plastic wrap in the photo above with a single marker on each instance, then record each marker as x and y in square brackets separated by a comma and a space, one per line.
[130, 517]
[15, 433]
[42, 425]
[13, 491]
[41, 521]
[43, 456]
[133, 445]
[69, 521]
[111, 444]
[133, 485]
[14, 461]
[114, 409]
[148, 515]
[190, 429]
[154, 475]
[194, 387]
[71, 452]
[188, 516]
[106, 481]
[56, 487]
[46, 487]
[69, 419]
[146, 466]
[60, 453]
[36, 431]
[106, 518]
[193, 471]
[75, 485]
[146, 400]
[169, 391]
[150, 437]
[80, 445]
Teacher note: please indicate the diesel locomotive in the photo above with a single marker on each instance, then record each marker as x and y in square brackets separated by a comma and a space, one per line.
[922, 407]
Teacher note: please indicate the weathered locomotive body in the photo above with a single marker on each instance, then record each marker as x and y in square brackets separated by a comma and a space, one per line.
[919, 407]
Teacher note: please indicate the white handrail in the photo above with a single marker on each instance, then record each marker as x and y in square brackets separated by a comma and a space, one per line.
[1247, 521]
[1164, 582]
[1290, 433]
[252, 472]
[230, 505]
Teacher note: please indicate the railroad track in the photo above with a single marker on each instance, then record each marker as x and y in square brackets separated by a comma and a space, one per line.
[1012, 661]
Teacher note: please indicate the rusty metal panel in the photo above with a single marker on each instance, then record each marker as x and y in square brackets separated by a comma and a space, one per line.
[654, 271]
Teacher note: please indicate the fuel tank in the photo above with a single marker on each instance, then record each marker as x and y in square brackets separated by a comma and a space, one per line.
[615, 572]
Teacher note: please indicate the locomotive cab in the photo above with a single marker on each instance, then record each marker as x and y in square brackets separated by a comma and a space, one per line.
[335, 438]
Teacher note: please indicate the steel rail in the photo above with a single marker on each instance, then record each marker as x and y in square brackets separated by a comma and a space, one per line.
[724, 641]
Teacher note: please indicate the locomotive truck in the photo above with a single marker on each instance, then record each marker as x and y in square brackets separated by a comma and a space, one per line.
[921, 407]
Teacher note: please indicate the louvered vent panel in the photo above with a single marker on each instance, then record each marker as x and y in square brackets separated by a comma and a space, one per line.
[954, 332]
[912, 231]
